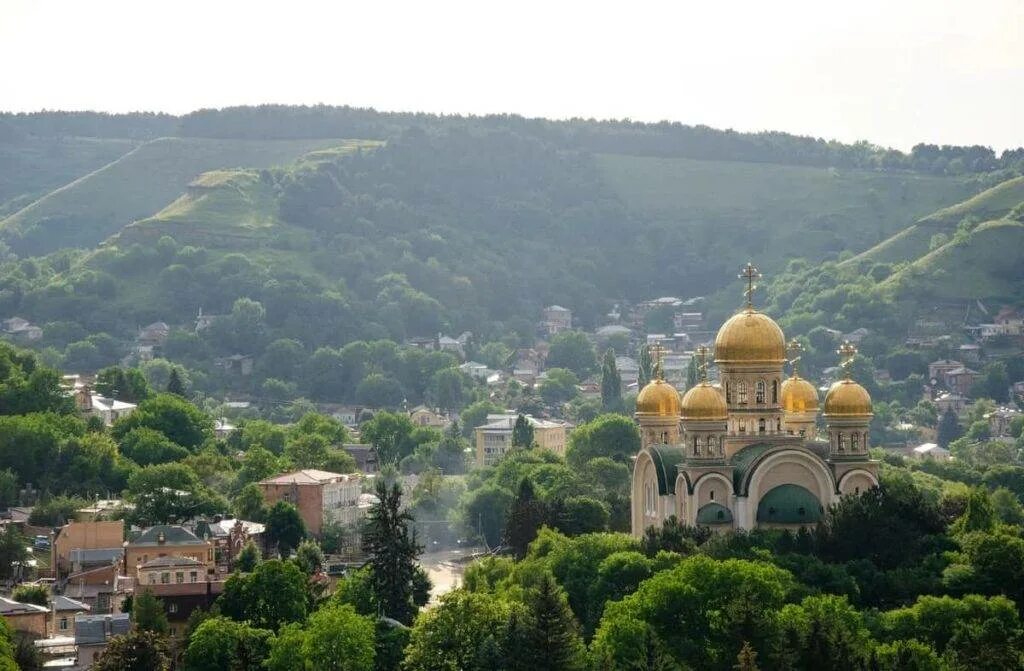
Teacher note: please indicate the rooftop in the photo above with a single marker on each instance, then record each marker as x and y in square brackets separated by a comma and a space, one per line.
[172, 561]
[308, 476]
[92, 629]
[165, 534]
[12, 607]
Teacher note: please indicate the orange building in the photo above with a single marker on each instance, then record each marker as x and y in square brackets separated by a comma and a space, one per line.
[319, 496]
[165, 540]
[97, 538]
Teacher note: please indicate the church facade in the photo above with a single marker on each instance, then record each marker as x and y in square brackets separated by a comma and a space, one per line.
[746, 452]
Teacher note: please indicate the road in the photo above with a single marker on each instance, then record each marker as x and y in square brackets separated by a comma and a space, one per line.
[445, 569]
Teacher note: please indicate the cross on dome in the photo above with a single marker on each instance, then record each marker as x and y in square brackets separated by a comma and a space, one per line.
[702, 362]
[656, 353]
[796, 349]
[846, 353]
[750, 273]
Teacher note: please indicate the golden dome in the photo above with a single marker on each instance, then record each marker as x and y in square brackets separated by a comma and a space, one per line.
[846, 398]
[750, 337]
[704, 402]
[658, 398]
[799, 395]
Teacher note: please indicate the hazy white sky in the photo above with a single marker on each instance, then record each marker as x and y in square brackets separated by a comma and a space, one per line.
[894, 72]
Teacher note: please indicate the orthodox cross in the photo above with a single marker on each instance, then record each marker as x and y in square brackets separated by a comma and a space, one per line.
[702, 363]
[846, 352]
[796, 349]
[750, 274]
[656, 351]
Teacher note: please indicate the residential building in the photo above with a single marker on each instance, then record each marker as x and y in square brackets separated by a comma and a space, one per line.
[970, 352]
[950, 401]
[999, 421]
[27, 618]
[421, 415]
[228, 537]
[494, 439]
[930, 451]
[109, 410]
[93, 633]
[64, 611]
[628, 369]
[154, 334]
[82, 545]
[476, 370]
[320, 496]
[236, 364]
[937, 369]
[165, 540]
[181, 599]
[555, 319]
[364, 454]
[960, 380]
[22, 329]
[222, 428]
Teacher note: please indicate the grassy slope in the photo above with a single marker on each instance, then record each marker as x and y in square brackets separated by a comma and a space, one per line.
[93, 207]
[915, 240]
[32, 167]
[984, 264]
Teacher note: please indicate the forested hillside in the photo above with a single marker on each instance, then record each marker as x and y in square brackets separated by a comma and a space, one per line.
[418, 225]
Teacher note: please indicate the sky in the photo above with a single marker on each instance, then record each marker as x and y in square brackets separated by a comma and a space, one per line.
[893, 72]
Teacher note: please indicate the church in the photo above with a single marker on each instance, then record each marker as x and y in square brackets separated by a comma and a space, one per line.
[746, 452]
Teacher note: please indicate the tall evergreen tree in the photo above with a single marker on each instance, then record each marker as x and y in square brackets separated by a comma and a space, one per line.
[611, 383]
[522, 432]
[390, 541]
[175, 385]
[747, 659]
[646, 367]
[949, 428]
[525, 517]
[553, 635]
[691, 373]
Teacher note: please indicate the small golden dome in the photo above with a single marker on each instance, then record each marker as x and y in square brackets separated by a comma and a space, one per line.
[750, 337]
[658, 398]
[799, 395]
[704, 402]
[846, 398]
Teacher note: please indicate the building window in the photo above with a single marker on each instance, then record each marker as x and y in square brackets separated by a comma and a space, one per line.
[172, 608]
[63, 624]
[778, 425]
[759, 392]
[761, 425]
[855, 442]
[152, 578]
[775, 392]
[696, 446]
[179, 577]
[728, 392]
[165, 578]
[842, 442]
[741, 391]
[193, 576]
[649, 499]
[711, 494]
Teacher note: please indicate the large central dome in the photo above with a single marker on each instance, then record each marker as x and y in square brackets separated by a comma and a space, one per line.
[750, 337]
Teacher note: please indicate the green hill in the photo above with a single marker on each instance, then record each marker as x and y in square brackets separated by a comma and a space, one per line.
[916, 240]
[776, 212]
[985, 263]
[31, 167]
[98, 204]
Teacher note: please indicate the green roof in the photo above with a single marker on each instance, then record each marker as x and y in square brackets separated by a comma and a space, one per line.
[789, 504]
[714, 513]
[666, 461]
[742, 462]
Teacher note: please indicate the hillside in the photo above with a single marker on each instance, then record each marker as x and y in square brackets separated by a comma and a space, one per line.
[98, 204]
[983, 264]
[736, 210]
[31, 167]
[915, 240]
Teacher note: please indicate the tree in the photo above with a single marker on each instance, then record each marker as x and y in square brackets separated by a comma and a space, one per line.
[747, 659]
[949, 428]
[339, 639]
[475, 414]
[148, 613]
[645, 373]
[450, 636]
[37, 594]
[390, 433]
[691, 381]
[307, 451]
[380, 391]
[448, 388]
[138, 650]
[127, 385]
[249, 504]
[12, 551]
[221, 644]
[172, 416]
[994, 383]
[610, 435]
[905, 656]
[248, 557]
[522, 433]
[285, 527]
[831, 634]
[485, 511]
[611, 383]
[8, 488]
[553, 634]
[146, 447]
[572, 350]
[175, 385]
[390, 542]
[309, 557]
[276, 592]
[581, 515]
[559, 386]
[283, 359]
[525, 517]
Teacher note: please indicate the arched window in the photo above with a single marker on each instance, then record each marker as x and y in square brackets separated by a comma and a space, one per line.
[649, 499]
[696, 446]
[759, 392]
[778, 425]
[775, 392]
[842, 442]
[741, 391]
[711, 494]
[728, 392]
[760, 425]
[855, 442]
